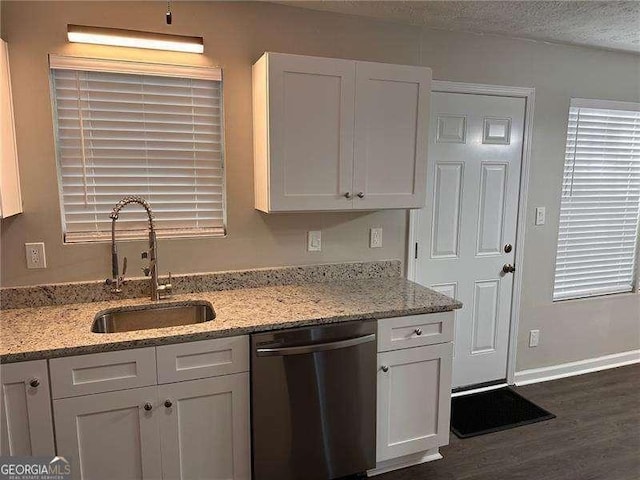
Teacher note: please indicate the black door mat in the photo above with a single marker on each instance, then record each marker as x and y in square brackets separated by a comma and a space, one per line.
[492, 411]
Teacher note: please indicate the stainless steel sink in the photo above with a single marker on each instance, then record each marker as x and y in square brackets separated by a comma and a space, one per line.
[144, 317]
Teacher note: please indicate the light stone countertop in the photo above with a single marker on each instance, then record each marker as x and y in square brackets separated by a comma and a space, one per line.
[55, 331]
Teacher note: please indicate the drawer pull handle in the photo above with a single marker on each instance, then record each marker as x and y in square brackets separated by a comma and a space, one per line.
[418, 331]
[34, 382]
[167, 403]
[384, 368]
[148, 406]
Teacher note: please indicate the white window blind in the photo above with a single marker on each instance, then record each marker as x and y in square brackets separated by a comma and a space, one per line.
[138, 129]
[598, 236]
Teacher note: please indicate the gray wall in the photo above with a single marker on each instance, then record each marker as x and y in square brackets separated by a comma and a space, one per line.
[235, 35]
[575, 329]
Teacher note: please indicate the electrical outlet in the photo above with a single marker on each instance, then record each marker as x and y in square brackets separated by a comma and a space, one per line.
[541, 215]
[534, 338]
[375, 238]
[35, 255]
[314, 241]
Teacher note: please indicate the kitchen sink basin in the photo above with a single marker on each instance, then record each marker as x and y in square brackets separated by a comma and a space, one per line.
[145, 317]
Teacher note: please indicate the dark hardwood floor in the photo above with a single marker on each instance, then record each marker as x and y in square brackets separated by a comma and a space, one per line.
[596, 436]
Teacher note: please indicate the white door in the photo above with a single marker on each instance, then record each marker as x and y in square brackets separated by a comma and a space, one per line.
[110, 435]
[26, 427]
[205, 429]
[311, 117]
[390, 152]
[467, 232]
[414, 400]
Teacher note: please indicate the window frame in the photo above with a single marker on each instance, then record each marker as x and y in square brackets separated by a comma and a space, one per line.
[635, 283]
[118, 66]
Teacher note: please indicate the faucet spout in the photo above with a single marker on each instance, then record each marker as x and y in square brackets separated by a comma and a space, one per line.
[155, 288]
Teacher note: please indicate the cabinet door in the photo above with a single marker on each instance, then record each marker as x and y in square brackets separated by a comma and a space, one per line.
[392, 112]
[205, 428]
[110, 435]
[414, 400]
[311, 117]
[10, 197]
[25, 410]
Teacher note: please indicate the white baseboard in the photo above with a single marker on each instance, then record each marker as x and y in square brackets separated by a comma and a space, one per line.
[535, 375]
[404, 462]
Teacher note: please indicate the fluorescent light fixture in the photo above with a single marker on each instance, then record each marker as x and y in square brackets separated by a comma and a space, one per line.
[132, 38]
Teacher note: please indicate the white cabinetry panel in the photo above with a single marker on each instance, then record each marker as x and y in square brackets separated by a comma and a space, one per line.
[25, 410]
[207, 358]
[303, 132]
[205, 428]
[110, 435]
[333, 134]
[392, 112]
[102, 372]
[10, 194]
[414, 400]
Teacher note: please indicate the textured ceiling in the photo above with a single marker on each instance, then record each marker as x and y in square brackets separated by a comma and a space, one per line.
[613, 25]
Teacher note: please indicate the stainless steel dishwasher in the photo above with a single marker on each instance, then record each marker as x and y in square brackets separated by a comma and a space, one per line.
[313, 400]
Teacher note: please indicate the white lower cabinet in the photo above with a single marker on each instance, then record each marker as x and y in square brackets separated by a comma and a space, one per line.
[25, 410]
[204, 428]
[188, 430]
[414, 400]
[110, 435]
[415, 357]
[193, 429]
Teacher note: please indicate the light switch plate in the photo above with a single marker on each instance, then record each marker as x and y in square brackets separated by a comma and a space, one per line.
[35, 255]
[375, 238]
[314, 241]
[534, 338]
[541, 214]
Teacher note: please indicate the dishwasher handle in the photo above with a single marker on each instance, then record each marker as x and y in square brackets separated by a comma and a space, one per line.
[316, 347]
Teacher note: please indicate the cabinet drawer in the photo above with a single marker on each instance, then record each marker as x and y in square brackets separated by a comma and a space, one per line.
[415, 331]
[207, 358]
[102, 372]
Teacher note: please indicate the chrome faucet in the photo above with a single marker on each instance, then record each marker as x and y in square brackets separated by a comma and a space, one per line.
[157, 291]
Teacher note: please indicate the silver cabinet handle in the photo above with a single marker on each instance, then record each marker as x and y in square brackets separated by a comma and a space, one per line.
[348, 195]
[317, 347]
[34, 382]
[360, 194]
[168, 403]
[384, 368]
[418, 331]
[147, 406]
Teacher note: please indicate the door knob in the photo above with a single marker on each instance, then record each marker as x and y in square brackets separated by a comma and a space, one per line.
[384, 368]
[418, 331]
[168, 403]
[148, 406]
[508, 268]
[507, 248]
[361, 195]
[348, 195]
[34, 383]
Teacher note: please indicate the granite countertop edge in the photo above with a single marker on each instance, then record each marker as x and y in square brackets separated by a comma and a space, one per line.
[332, 302]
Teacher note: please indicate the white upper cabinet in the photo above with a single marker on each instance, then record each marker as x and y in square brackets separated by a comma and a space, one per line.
[10, 196]
[390, 148]
[333, 134]
[303, 132]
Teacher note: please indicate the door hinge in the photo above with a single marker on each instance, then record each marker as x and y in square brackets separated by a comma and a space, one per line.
[416, 252]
